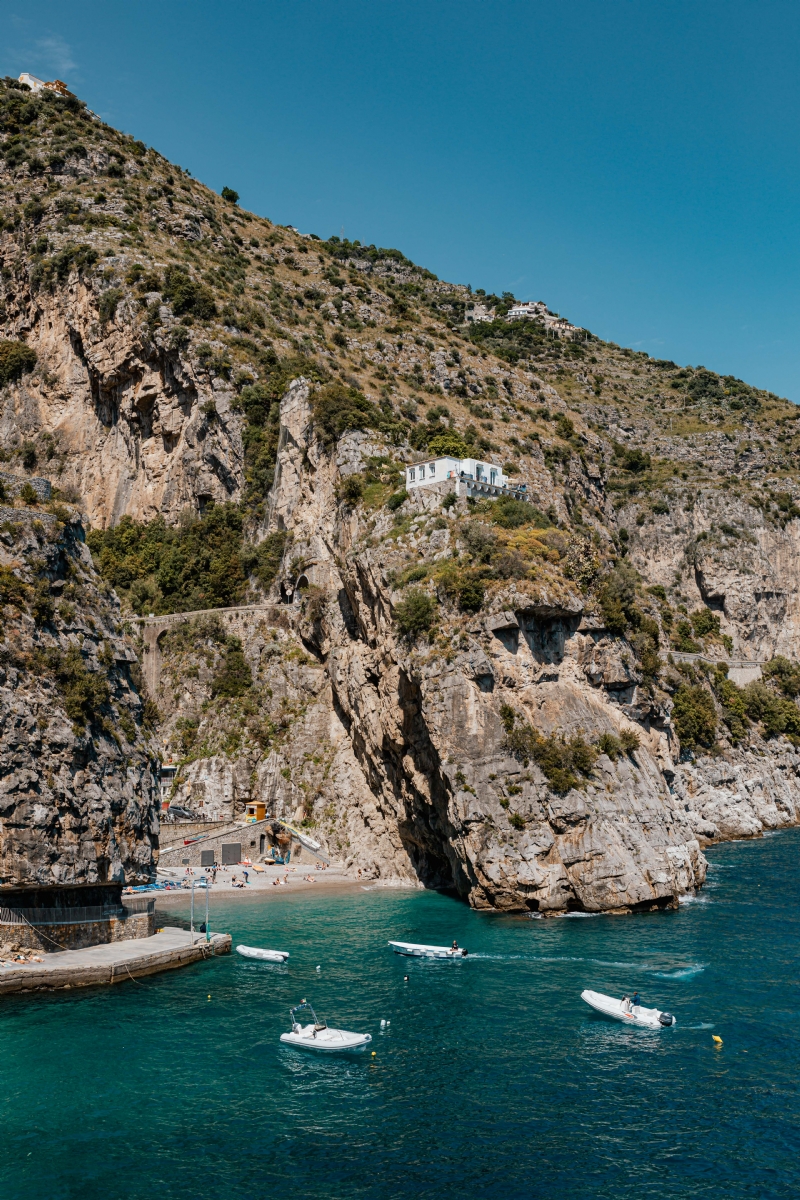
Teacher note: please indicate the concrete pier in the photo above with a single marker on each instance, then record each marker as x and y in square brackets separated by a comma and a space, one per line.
[113, 962]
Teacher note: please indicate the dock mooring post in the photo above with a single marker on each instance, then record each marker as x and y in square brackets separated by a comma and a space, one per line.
[208, 936]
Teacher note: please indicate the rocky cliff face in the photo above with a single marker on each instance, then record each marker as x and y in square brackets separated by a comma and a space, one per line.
[77, 804]
[413, 780]
[463, 694]
[124, 413]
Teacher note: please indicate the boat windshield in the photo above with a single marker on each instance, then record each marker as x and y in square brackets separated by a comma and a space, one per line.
[315, 1019]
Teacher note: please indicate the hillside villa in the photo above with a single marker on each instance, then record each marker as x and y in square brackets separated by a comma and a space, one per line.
[467, 477]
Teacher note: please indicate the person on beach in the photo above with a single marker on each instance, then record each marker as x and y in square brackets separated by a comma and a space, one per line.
[246, 877]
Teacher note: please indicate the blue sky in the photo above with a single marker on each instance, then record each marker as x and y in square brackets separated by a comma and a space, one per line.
[634, 164]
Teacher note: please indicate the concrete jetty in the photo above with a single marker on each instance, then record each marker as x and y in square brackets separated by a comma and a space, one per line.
[113, 962]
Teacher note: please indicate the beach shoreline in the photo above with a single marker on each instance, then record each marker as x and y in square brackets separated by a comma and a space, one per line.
[265, 884]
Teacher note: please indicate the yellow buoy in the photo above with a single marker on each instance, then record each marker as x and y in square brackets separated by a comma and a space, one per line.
[373, 1053]
[209, 995]
[716, 1039]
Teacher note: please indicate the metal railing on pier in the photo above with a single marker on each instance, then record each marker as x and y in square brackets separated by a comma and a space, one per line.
[76, 916]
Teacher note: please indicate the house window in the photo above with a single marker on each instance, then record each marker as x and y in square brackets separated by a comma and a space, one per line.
[422, 472]
[411, 475]
[432, 470]
[479, 472]
[493, 477]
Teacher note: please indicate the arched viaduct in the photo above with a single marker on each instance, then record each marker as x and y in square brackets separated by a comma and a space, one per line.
[236, 621]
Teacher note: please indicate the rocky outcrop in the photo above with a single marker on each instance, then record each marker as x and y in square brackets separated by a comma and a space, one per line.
[77, 800]
[418, 783]
[728, 554]
[741, 794]
[136, 427]
[149, 329]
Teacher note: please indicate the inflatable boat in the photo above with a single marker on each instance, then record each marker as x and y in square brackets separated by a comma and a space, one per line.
[317, 1035]
[623, 1010]
[273, 956]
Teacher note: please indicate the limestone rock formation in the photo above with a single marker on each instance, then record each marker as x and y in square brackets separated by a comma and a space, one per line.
[77, 799]
[534, 705]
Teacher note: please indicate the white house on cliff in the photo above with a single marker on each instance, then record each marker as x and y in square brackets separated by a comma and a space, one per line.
[466, 477]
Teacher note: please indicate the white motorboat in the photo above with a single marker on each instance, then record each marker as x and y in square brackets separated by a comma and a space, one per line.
[317, 1035]
[414, 950]
[273, 956]
[623, 1010]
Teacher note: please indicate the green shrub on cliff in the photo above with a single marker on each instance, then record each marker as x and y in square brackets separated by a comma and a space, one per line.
[561, 760]
[85, 693]
[776, 714]
[108, 303]
[234, 676]
[337, 408]
[16, 360]
[471, 593]
[186, 295]
[617, 599]
[694, 717]
[704, 621]
[683, 638]
[163, 569]
[627, 743]
[785, 674]
[416, 613]
[13, 590]
[509, 513]
[452, 443]
[734, 706]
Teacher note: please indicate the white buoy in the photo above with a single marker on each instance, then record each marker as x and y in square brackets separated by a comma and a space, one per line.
[383, 1024]
[319, 968]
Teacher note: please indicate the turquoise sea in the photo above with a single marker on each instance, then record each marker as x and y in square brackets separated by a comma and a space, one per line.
[493, 1080]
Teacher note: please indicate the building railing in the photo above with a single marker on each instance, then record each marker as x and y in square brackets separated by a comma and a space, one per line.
[483, 487]
[76, 916]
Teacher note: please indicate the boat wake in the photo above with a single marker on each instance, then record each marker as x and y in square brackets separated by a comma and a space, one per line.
[658, 971]
[680, 973]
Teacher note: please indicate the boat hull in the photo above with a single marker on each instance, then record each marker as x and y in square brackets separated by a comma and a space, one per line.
[255, 952]
[416, 950]
[327, 1041]
[609, 1006]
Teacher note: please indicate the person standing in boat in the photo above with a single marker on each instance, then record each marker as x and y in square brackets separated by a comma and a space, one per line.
[636, 1000]
[626, 1004]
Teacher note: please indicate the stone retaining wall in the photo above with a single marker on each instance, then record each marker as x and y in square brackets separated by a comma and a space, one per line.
[77, 937]
[14, 485]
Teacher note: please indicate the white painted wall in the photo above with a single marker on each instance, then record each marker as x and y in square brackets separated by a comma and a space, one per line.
[435, 470]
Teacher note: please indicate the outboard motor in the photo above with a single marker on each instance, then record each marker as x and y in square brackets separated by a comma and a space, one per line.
[666, 1019]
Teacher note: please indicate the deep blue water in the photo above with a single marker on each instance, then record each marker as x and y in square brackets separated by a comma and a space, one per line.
[494, 1079]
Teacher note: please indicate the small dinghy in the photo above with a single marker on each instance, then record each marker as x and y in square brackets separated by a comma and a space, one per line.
[317, 1035]
[623, 1010]
[413, 950]
[273, 956]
